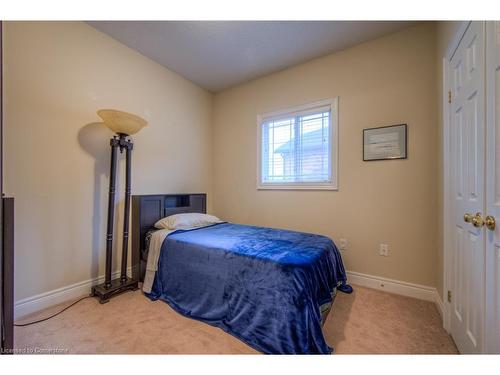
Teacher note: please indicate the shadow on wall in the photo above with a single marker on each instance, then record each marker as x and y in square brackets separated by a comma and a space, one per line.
[94, 139]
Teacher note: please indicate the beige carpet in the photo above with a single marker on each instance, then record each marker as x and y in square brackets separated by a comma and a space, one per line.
[367, 321]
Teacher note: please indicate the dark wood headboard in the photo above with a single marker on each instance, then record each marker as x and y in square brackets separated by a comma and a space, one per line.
[148, 209]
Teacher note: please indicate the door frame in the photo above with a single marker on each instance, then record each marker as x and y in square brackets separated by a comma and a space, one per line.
[2, 334]
[447, 218]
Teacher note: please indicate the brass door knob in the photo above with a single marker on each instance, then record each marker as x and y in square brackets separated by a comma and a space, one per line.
[477, 220]
[468, 218]
[489, 221]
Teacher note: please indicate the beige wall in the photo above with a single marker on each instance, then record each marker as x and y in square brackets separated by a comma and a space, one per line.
[57, 74]
[445, 33]
[387, 81]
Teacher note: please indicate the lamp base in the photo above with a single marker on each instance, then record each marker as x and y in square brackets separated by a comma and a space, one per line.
[117, 287]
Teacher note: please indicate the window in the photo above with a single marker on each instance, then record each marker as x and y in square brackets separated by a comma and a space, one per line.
[298, 147]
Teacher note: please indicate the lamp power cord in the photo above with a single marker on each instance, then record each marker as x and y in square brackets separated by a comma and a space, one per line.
[51, 316]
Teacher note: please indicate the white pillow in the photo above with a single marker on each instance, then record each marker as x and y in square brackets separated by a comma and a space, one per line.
[186, 221]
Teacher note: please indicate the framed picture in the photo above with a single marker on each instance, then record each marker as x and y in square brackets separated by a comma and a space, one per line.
[385, 143]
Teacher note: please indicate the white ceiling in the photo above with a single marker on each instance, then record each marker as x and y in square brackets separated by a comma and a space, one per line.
[219, 54]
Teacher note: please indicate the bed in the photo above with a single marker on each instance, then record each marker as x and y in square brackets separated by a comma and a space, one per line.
[271, 288]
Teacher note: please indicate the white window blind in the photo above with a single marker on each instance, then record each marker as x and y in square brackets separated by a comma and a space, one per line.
[296, 148]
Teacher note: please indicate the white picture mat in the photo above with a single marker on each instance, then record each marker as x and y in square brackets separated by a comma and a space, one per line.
[384, 143]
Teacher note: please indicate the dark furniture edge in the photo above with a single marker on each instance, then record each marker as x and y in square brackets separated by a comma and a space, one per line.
[8, 274]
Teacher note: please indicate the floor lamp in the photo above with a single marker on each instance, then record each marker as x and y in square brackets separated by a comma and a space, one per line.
[123, 124]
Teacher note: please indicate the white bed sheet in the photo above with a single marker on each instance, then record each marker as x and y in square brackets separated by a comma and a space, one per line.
[155, 242]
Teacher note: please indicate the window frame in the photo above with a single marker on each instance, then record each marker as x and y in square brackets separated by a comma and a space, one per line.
[334, 146]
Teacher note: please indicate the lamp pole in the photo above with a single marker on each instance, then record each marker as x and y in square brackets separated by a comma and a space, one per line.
[111, 212]
[110, 287]
[128, 176]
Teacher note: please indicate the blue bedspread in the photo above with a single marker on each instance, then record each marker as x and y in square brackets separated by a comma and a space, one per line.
[262, 285]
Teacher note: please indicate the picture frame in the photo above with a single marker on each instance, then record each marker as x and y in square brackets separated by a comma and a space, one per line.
[385, 143]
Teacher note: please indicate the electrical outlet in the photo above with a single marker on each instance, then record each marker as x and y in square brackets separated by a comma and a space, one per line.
[384, 250]
[343, 244]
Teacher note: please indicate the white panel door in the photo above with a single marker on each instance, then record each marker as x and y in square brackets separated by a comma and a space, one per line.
[467, 127]
[492, 322]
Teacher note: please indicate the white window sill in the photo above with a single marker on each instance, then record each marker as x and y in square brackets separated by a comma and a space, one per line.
[296, 187]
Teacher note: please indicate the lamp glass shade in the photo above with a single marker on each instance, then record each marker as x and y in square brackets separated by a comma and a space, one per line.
[121, 122]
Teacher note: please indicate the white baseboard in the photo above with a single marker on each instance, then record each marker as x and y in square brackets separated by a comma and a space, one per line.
[41, 301]
[403, 288]
[439, 304]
